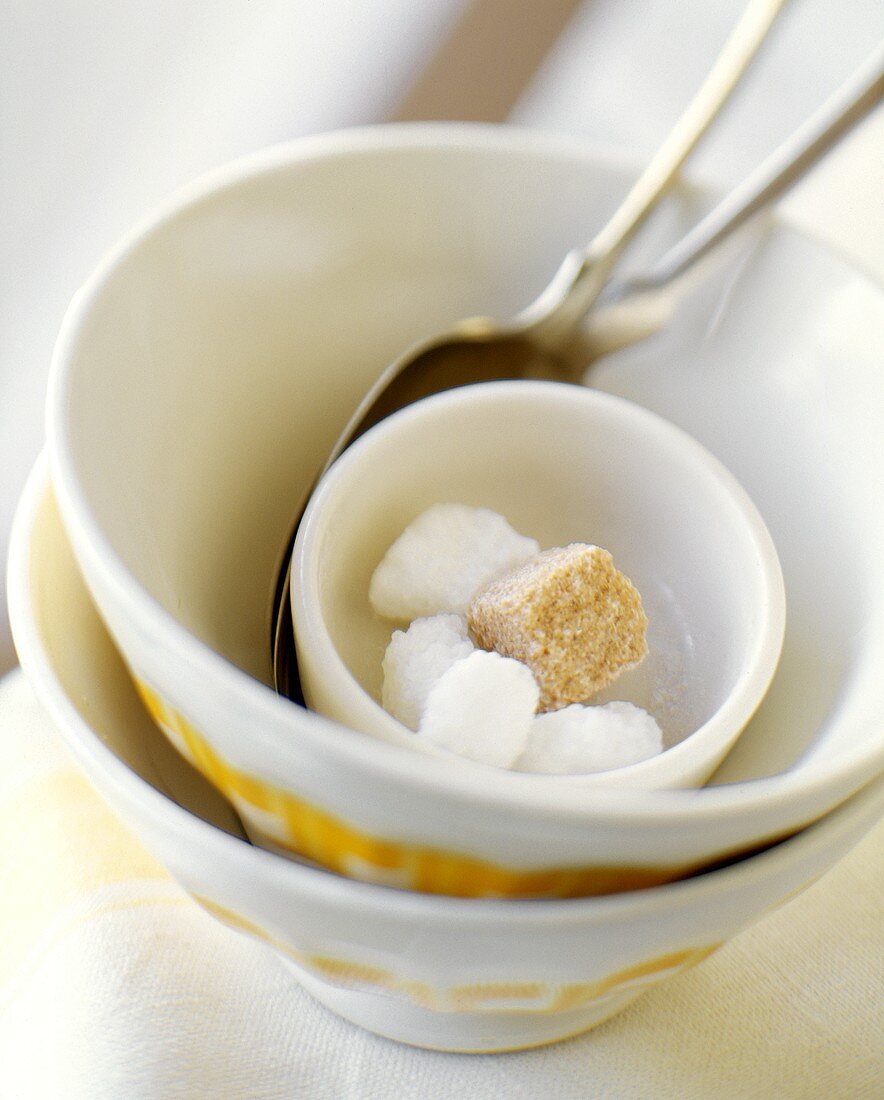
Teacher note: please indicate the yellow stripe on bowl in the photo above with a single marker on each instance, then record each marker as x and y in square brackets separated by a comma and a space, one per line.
[311, 832]
[536, 998]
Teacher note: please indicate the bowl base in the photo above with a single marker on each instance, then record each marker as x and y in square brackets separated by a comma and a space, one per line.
[486, 1032]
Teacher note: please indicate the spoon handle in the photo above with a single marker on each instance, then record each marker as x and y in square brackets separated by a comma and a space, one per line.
[581, 277]
[789, 163]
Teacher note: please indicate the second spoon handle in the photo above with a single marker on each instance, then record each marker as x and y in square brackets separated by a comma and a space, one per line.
[584, 272]
[859, 95]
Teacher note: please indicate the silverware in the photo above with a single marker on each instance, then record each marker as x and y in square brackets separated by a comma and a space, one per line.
[538, 342]
[639, 307]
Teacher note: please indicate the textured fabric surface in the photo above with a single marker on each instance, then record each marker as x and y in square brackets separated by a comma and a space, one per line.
[114, 984]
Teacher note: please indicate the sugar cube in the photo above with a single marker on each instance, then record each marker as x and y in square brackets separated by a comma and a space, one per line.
[442, 558]
[416, 658]
[580, 739]
[482, 708]
[569, 615]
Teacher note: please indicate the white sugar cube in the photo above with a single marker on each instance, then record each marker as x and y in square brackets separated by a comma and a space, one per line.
[443, 558]
[580, 739]
[416, 658]
[482, 708]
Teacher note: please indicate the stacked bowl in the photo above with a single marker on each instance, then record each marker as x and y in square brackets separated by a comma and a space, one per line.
[201, 377]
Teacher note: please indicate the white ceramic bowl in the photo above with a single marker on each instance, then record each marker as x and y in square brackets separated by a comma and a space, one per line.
[563, 464]
[440, 972]
[206, 367]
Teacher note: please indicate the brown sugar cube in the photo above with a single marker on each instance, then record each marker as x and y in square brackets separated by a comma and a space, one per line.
[570, 616]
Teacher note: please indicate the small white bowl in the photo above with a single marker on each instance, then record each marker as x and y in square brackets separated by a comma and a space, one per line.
[563, 464]
[432, 971]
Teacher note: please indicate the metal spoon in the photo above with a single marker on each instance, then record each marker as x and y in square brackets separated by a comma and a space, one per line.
[535, 343]
[640, 307]
[635, 309]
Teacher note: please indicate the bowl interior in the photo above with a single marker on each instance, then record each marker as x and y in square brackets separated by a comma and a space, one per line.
[563, 465]
[774, 369]
[251, 320]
